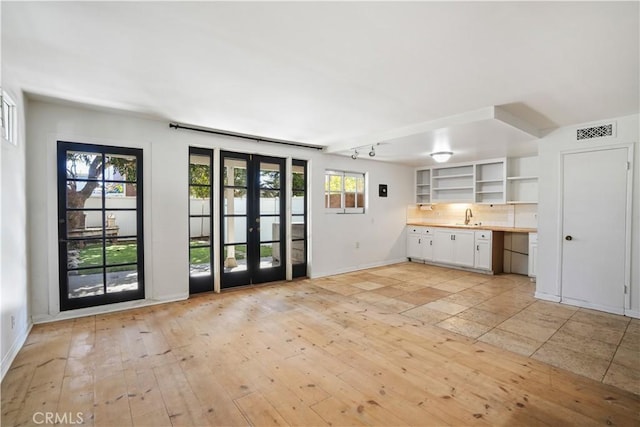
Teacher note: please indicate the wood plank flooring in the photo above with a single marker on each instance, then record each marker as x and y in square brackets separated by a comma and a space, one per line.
[331, 351]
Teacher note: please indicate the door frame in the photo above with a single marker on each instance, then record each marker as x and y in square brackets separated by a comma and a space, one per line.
[628, 217]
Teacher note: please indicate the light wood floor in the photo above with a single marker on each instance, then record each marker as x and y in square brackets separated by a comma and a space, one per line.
[308, 353]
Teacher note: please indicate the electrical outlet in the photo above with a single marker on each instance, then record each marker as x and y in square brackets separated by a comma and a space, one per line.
[13, 322]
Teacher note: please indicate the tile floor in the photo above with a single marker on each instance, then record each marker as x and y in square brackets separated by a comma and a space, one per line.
[502, 311]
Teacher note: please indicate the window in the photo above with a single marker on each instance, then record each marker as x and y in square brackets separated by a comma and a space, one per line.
[344, 191]
[8, 118]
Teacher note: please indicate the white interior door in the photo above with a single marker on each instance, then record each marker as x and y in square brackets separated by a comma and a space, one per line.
[594, 227]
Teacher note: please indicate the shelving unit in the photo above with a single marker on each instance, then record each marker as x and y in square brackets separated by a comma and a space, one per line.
[522, 180]
[494, 181]
[452, 183]
[490, 182]
[423, 186]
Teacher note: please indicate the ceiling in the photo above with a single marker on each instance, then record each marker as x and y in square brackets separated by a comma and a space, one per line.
[483, 79]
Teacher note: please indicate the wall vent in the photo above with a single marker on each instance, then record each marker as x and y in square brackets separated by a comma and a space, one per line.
[599, 131]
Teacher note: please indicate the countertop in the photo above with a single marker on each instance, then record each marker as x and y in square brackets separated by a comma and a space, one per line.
[476, 227]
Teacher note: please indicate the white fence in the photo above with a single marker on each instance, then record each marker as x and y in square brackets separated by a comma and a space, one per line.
[198, 226]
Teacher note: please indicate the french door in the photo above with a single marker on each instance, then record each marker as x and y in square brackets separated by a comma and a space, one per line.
[100, 225]
[200, 219]
[299, 218]
[252, 221]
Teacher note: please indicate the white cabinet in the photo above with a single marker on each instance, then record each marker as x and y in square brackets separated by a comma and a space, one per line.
[427, 245]
[453, 246]
[477, 249]
[420, 243]
[414, 250]
[483, 250]
[533, 254]
[443, 250]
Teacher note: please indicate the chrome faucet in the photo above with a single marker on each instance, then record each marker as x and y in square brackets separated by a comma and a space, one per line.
[467, 216]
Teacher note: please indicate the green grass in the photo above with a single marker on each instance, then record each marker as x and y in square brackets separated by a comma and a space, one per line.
[201, 255]
[91, 255]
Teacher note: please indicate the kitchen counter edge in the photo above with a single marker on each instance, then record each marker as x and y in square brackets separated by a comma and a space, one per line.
[476, 227]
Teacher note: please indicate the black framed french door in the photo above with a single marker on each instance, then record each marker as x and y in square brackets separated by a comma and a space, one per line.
[100, 224]
[299, 218]
[252, 221]
[200, 220]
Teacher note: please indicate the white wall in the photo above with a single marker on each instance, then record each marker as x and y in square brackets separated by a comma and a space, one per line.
[549, 237]
[379, 232]
[14, 301]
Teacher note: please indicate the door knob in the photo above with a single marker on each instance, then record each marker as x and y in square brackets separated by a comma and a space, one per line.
[568, 238]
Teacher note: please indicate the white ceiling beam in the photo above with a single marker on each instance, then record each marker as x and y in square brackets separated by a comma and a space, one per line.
[487, 113]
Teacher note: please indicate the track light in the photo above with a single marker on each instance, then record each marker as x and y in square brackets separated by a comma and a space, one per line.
[355, 154]
[372, 153]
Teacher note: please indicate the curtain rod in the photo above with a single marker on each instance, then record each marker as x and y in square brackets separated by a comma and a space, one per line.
[254, 138]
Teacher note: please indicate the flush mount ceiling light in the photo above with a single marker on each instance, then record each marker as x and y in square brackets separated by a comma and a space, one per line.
[372, 153]
[441, 156]
[355, 154]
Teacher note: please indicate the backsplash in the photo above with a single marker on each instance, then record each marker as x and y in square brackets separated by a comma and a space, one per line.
[517, 215]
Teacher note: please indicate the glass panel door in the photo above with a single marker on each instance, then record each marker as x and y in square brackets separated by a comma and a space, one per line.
[100, 236]
[269, 219]
[200, 220]
[234, 219]
[299, 219]
[252, 222]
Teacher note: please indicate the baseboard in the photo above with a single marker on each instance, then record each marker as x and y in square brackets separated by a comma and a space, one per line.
[632, 313]
[584, 304]
[358, 268]
[547, 297]
[105, 309]
[7, 360]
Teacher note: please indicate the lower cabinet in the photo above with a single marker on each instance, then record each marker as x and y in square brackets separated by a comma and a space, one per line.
[414, 248]
[477, 249]
[453, 246]
[420, 243]
[533, 254]
[483, 254]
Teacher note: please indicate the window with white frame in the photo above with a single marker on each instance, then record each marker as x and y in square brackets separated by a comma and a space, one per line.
[344, 192]
[8, 118]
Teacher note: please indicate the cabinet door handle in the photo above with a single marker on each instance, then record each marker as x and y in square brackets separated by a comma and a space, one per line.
[419, 241]
[478, 248]
[430, 242]
[568, 238]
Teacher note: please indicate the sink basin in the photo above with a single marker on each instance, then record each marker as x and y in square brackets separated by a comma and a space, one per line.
[461, 224]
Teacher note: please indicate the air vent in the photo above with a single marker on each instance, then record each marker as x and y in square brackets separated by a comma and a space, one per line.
[595, 132]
